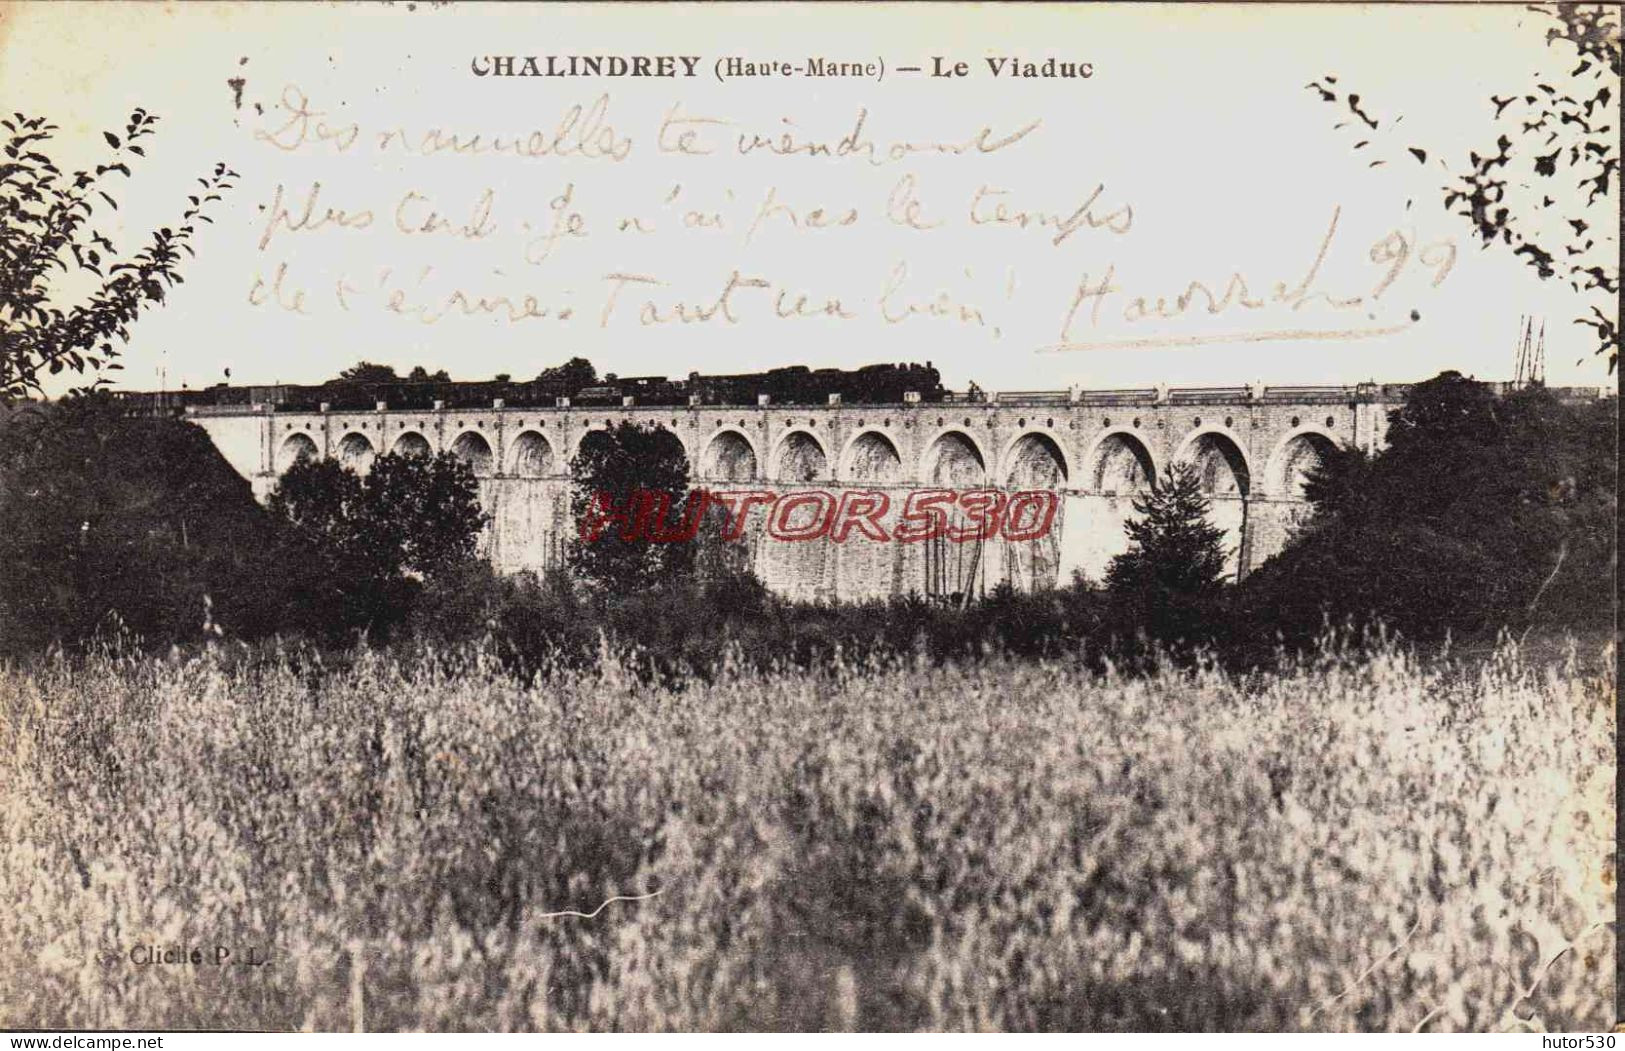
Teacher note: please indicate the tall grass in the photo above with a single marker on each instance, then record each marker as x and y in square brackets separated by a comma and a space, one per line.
[1371, 843]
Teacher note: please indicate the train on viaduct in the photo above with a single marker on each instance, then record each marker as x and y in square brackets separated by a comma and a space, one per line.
[895, 430]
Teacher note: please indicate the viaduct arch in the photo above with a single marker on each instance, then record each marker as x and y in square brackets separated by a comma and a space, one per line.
[1293, 457]
[295, 447]
[871, 457]
[356, 451]
[1035, 460]
[953, 460]
[1120, 462]
[473, 449]
[800, 458]
[533, 456]
[1219, 460]
[730, 456]
[411, 443]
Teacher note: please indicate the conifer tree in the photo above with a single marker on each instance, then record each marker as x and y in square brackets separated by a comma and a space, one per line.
[1174, 566]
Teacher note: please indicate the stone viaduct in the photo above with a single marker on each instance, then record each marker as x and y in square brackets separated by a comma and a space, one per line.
[1096, 449]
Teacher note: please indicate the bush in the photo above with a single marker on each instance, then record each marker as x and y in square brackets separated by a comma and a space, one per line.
[1482, 513]
[692, 627]
[358, 549]
[108, 520]
[535, 625]
[611, 469]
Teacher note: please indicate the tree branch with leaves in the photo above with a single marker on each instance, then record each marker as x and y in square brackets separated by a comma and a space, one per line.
[1545, 189]
[46, 231]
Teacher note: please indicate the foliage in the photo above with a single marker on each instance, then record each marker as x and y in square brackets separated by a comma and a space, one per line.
[729, 619]
[431, 505]
[611, 468]
[110, 519]
[45, 232]
[573, 374]
[1549, 189]
[110, 522]
[1167, 581]
[367, 372]
[1372, 844]
[532, 624]
[419, 374]
[356, 546]
[1481, 513]
[342, 576]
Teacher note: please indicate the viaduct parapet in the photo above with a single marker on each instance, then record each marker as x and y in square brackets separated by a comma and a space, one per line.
[1096, 449]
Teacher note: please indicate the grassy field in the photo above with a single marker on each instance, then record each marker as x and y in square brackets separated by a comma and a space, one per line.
[1378, 843]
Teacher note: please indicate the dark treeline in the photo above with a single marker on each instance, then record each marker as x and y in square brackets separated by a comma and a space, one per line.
[1481, 514]
[137, 526]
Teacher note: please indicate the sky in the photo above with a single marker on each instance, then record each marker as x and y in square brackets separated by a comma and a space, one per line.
[1194, 167]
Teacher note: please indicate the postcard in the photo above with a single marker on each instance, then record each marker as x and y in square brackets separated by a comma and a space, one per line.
[808, 517]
